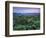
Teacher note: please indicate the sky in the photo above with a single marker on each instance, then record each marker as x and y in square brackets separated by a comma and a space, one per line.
[25, 10]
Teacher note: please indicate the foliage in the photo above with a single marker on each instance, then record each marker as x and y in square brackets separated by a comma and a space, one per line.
[26, 22]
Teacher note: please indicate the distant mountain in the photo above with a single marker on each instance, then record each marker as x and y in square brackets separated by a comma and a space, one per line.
[26, 14]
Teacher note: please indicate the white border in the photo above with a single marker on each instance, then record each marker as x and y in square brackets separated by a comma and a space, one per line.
[11, 32]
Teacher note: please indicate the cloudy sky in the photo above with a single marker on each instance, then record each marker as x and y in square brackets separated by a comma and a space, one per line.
[25, 10]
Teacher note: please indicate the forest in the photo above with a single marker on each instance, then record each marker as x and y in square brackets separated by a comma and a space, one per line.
[26, 23]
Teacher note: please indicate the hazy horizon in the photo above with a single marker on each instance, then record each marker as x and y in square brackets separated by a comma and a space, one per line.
[26, 14]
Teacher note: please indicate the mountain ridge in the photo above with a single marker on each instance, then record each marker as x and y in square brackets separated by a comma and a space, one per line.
[26, 14]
